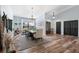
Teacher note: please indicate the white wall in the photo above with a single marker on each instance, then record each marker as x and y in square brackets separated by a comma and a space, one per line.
[40, 23]
[53, 26]
[71, 14]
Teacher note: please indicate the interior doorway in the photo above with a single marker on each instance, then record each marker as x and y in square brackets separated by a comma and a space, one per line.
[48, 28]
[58, 27]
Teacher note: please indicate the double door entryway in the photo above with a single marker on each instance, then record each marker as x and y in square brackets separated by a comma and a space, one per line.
[70, 27]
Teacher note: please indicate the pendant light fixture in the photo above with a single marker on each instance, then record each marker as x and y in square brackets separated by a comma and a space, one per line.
[32, 16]
[53, 16]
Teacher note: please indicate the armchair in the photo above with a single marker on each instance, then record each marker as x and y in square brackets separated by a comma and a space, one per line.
[39, 34]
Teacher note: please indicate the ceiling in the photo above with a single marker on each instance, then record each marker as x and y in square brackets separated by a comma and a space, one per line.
[26, 10]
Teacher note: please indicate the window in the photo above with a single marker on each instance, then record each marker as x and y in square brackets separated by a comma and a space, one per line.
[15, 23]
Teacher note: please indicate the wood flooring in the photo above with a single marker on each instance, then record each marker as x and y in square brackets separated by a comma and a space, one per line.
[57, 44]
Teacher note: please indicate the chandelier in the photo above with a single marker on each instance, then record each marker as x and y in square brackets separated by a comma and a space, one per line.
[32, 16]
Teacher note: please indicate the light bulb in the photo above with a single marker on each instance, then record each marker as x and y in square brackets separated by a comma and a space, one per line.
[53, 17]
